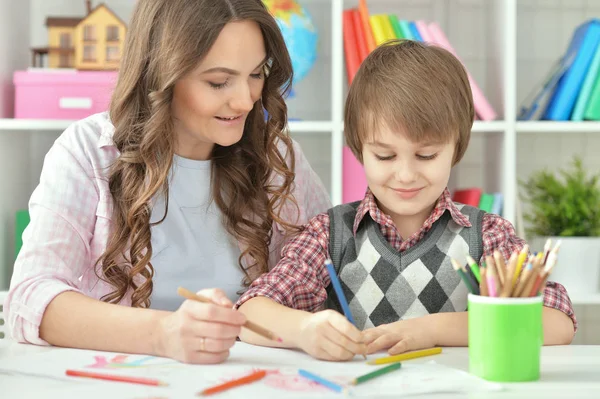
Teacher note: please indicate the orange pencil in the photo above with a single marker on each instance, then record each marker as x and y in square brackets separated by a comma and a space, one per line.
[117, 378]
[257, 375]
[248, 324]
[483, 287]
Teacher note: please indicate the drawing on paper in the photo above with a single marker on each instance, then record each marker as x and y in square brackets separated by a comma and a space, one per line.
[125, 361]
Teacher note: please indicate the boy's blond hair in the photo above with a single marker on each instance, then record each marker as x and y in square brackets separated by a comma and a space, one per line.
[419, 88]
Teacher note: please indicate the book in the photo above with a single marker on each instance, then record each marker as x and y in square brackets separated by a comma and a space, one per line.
[468, 196]
[592, 109]
[396, 26]
[486, 202]
[423, 30]
[584, 43]
[498, 205]
[586, 88]
[538, 98]
[414, 31]
[379, 31]
[361, 38]
[350, 46]
[482, 107]
[354, 180]
[364, 15]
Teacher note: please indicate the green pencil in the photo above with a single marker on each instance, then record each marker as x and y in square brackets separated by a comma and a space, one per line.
[463, 275]
[376, 373]
[474, 267]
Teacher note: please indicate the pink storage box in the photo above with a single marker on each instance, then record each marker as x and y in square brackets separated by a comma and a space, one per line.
[62, 94]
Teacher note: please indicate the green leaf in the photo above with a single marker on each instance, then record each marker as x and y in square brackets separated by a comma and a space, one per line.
[563, 204]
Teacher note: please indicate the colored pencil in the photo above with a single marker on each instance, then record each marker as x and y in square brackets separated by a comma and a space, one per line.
[524, 276]
[493, 273]
[406, 356]
[492, 282]
[255, 376]
[520, 261]
[547, 248]
[508, 278]
[248, 324]
[500, 266]
[462, 275]
[474, 268]
[337, 287]
[471, 277]
[376, 373]
[339, 292]
[326, 383]
[483, 285]
[117, 378]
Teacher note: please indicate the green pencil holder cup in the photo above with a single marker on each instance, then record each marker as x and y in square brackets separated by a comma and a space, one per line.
[505, 338]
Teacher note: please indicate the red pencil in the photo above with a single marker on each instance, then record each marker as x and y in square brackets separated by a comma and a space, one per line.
[234, 383]
[118, 378]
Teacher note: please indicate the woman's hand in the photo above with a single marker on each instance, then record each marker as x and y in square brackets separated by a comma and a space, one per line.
[200, 332]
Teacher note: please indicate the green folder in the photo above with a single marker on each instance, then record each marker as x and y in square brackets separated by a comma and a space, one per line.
[592, 110]
[396, 26]
[486, 202]
[21, 221]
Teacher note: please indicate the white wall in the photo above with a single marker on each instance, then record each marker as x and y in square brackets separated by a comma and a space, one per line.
[14, 156]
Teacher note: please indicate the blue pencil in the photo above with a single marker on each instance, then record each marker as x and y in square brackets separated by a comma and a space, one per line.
[338, 291]
[329, 384]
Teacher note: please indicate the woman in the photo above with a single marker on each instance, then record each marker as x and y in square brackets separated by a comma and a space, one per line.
[183, 182]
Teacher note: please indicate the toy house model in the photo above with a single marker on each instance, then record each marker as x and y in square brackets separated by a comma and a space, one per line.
[94, 42]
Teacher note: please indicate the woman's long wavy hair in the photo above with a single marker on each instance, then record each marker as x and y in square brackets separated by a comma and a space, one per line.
[165, 41]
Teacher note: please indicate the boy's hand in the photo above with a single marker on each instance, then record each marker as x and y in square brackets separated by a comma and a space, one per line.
[328, 335]
[399, 337]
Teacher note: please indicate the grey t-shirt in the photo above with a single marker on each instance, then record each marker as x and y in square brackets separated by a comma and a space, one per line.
[191, 247]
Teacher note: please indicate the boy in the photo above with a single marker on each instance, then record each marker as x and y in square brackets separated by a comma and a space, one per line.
[408, 119]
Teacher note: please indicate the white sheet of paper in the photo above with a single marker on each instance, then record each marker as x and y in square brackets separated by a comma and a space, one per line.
[281, 381]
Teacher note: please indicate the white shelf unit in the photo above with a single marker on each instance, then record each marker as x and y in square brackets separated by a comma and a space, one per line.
[505, 45]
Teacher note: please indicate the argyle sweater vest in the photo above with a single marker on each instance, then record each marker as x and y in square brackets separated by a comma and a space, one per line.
[383, 285]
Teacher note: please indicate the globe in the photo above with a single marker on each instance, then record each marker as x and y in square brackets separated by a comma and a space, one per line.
[299, 34]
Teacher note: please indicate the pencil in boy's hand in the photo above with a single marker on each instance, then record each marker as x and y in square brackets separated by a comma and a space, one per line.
[115, 377]
[337, 287]
[462, 275]
[187, 294]
[257, 375]
[376, 373]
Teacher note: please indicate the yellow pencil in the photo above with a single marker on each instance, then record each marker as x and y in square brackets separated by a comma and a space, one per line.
[520, 263]
[406, 356]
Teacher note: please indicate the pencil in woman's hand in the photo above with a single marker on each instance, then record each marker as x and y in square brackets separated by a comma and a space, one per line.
[187, 294]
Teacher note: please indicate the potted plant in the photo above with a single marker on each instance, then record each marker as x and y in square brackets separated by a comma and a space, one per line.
[566, 206]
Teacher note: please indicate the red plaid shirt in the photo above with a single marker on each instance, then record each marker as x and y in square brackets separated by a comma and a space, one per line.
[300, 278]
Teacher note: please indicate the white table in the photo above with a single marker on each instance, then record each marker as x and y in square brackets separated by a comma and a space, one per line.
[567, 372]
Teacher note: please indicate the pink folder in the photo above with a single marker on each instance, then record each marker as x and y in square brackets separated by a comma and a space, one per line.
[482, 107]
[354, 182]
